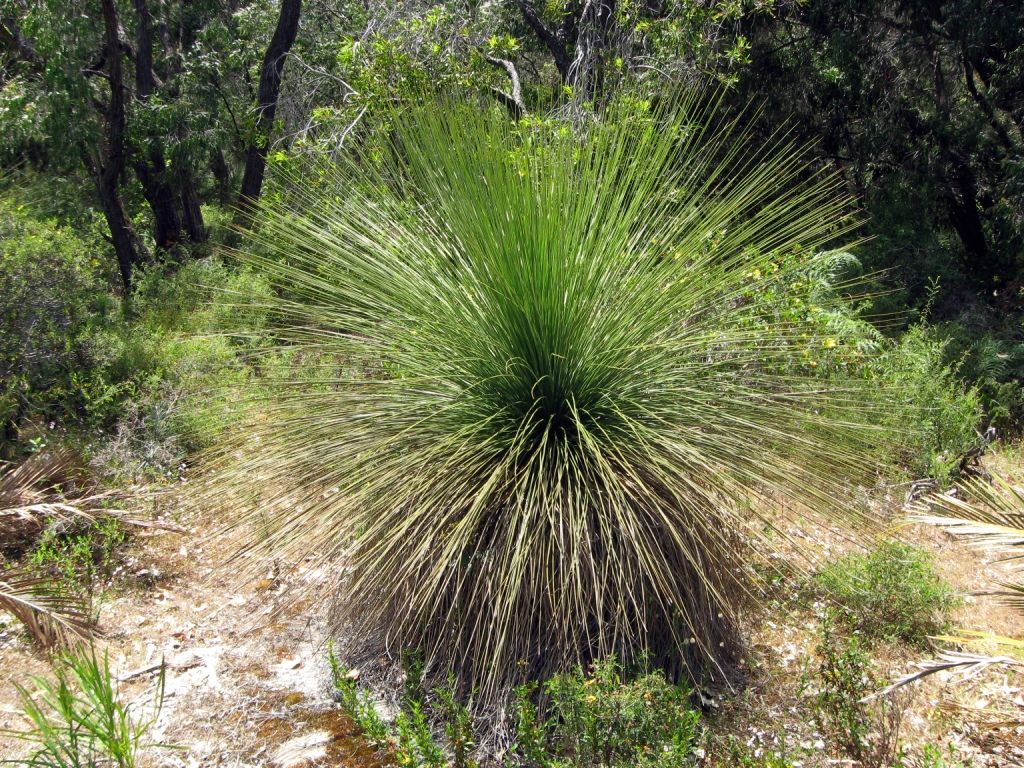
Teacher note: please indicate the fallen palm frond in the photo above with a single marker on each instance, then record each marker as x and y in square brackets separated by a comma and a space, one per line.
[545, 382]
[989, 513]
[965, 665]
[979, 638]
[51, 617]
[40, 491]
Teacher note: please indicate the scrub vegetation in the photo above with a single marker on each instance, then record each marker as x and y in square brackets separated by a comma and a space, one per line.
[604, 383]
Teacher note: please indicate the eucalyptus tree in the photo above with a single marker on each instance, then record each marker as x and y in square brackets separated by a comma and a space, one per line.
[114, 88]
[921, 107]
[70, 65]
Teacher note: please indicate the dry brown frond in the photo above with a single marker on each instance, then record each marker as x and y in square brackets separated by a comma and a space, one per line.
[45, 488]
[52, 618]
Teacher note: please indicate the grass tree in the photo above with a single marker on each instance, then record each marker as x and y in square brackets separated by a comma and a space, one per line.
[545, 393]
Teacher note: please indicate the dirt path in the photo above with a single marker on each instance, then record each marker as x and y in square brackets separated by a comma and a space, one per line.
[247, 675]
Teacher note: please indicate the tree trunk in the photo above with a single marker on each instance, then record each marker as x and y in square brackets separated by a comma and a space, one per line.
[222, 173]
[556, 41]
[983, 267]
[267, 95]
[191, 212]
[161, 199]
[151, 168]
[127, 246]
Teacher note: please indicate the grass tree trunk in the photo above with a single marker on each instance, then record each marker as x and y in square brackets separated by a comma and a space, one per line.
[267, 95]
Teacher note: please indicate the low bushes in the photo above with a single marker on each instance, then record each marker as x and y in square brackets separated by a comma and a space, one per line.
[141, 386]
[891, 593]
[867, 730]
[602, 717]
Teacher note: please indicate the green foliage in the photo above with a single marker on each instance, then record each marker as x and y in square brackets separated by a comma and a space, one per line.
[598, 719]
[51, 307]
[844, 679]
[458, 725]
[933, 756]
[939, 415]
[891, 593]
[863, 728]
[741, 755]
[79, 720]
[942, 414]
[78, 559]
[514, 346]
[414, 744]
[161, 380]
[358, 704]
[993, 359]
[604, 719]
[409, 739]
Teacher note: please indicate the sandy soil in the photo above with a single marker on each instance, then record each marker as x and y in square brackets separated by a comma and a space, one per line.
[246, 681]
[247, 678]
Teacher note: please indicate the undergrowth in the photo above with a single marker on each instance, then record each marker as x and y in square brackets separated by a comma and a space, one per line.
[891, 593]
[599, 718]
[78, 561]
[605, 718]
[78, 719]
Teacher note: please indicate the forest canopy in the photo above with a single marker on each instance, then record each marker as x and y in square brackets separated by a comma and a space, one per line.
[152, 123]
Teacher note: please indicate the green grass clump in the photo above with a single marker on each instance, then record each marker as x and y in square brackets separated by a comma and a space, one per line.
[891, 593]
[547, 393]
[78, 719]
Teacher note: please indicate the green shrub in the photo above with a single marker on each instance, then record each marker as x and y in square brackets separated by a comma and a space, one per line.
[161, 383]
[358, 704]
[866, 730]
[941, 413]
[51, 301]
[603, 719]
[409, 739]
[77, 559]
[844, 679]
[545, 369]
[891, 593]
[78, 720]
[740, 755]
[988, 352]
[933, 756]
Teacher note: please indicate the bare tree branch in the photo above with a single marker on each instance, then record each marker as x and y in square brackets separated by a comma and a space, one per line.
[514, 100]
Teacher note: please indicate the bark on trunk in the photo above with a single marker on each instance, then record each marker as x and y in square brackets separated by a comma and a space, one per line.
[151, 168]
[127, 246]
[161, 198]
[191, 212]
[267, 95]
[985, 268]
[222, 174]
